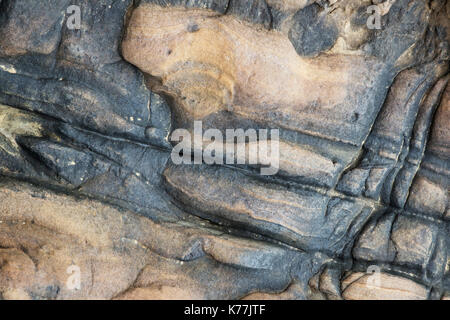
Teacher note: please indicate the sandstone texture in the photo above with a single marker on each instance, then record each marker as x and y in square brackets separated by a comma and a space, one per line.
[92, 205]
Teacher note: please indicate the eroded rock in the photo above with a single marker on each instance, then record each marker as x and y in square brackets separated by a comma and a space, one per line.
[87, 181]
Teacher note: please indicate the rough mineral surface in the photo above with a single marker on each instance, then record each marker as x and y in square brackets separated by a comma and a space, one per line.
[359, 208]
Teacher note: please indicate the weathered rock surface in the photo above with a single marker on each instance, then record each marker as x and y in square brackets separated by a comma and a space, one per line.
[87, 183]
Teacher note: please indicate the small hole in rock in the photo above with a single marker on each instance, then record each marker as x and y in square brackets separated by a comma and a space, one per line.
[193, 27]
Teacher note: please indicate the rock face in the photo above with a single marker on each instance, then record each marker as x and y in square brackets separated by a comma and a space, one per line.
[93, 206]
